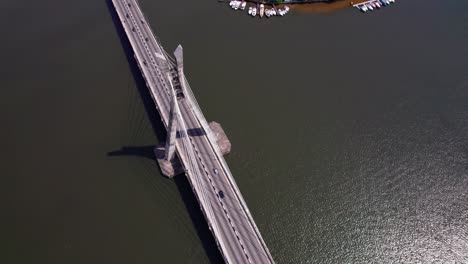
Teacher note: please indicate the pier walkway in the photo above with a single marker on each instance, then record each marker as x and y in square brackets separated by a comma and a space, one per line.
[226, 212]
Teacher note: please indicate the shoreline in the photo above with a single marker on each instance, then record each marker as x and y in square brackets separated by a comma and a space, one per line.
[304, 6]
[287, 2]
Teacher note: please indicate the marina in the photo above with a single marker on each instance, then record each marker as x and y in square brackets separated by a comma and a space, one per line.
[261, 9]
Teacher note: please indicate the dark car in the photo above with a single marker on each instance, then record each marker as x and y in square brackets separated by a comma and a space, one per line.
[221, 194]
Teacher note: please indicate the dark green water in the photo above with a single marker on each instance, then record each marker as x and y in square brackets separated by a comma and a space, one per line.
[349, 133]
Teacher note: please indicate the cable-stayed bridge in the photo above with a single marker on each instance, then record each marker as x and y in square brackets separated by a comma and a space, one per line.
[192, 147]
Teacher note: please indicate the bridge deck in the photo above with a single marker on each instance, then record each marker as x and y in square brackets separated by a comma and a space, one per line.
[229, 219]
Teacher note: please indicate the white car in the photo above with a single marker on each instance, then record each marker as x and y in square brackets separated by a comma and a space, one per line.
[215, 171]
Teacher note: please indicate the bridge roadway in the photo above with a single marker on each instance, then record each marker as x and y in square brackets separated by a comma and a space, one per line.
[229, 219]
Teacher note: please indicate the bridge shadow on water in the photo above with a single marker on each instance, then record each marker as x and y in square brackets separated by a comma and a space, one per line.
[139, 151]
[181, 182]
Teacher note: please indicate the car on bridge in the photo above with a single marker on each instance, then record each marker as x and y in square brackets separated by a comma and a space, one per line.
[215, 171]
[221, 194]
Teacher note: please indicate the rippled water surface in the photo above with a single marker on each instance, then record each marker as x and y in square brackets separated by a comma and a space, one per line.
[349, 133]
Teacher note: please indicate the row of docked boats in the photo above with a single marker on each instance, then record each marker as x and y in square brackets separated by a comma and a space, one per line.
[272, 12]
[372, 5]
[259, 9]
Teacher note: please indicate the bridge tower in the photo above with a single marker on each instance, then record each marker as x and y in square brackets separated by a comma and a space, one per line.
[172, 127]
[165, 154]
[171, 130]
[179, 55]
[169, 163]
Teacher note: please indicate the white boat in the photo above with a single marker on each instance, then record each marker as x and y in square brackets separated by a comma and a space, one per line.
[243, 5]
[363, 8]
[235, 4]
[254, 11]
[262, 10]
[250, 10]
[370, 7]
[283, 11]
[377, 4]
[267, 12]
